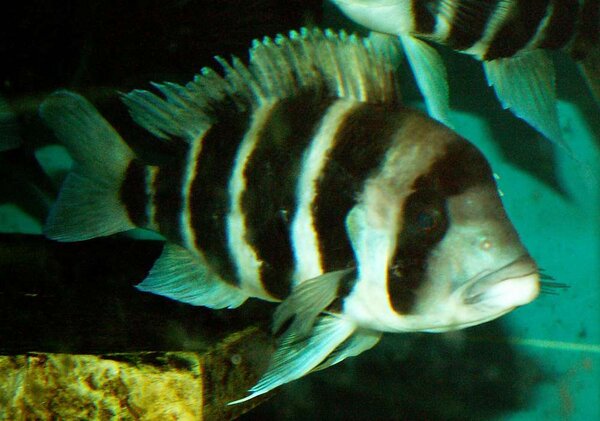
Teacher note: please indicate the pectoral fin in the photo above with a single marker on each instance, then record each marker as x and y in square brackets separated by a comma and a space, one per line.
[308, 300]
[297, 355]
[361, 341]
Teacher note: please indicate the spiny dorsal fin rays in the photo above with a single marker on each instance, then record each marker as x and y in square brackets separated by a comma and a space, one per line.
[153, 114]
[278, 69]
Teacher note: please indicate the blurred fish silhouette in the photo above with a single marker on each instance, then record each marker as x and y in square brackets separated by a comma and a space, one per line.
[9, 128]
[300, 178]
[508, 36]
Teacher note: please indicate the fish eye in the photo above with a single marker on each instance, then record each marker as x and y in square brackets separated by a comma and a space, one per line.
[428, 219]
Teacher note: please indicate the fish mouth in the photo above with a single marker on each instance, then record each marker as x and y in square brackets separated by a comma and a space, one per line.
[513, 285]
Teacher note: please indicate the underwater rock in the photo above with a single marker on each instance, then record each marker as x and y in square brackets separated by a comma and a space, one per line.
[133, 386]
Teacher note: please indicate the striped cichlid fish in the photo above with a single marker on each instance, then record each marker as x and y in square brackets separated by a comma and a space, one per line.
[508, 36]
[301, 178]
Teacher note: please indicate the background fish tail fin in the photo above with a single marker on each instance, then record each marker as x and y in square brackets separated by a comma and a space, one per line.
[525, 84]
[89, 202]
[590, 67]
[431, 77]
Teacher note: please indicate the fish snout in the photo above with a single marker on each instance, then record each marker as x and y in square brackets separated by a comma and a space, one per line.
[513, 285]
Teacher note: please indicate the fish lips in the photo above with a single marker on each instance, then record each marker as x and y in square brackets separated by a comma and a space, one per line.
[513, 285]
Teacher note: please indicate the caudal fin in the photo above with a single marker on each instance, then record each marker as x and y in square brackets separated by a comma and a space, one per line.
[88, 204]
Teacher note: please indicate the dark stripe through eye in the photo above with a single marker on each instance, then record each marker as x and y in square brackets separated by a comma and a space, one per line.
[428, 220]
[424, 225]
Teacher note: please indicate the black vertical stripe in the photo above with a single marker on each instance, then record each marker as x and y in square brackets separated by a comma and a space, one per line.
[133, 193]
[561, 24]
[209, 195]
[345, 287]
[168, 198]
[424, 225]
[269, 200]
[425, 220]
[360, 146]
[587, 30]
[470, 22]
[518, 29]
[424, 15]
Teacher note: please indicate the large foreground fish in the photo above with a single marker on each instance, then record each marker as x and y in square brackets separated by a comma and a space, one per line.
[508, 36]
[301, 178]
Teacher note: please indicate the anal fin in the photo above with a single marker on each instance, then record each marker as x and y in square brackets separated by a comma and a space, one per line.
[179, 275]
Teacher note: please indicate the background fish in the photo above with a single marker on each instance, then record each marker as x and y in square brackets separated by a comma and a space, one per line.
[300, 178]
[9, 132]
[508, 36]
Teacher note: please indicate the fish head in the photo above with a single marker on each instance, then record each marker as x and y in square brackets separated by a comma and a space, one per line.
[479, 269]
[449, 258]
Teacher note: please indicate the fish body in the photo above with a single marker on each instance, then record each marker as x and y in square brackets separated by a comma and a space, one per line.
[300, 178]
[508, 36]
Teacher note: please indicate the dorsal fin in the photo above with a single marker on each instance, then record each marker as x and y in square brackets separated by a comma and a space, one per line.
[340, 65]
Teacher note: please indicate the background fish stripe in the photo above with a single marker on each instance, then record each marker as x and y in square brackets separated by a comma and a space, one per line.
[518, 29]
[588, 30]
[168, 199]
[360, 146]
[561, 26]
[133, 193]
[405, 277]
[470, 22]
[209, 201]
[424, 13]
[269, 201]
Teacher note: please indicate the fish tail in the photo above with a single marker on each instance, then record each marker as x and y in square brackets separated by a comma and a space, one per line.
[590, 68]
[89, 203]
